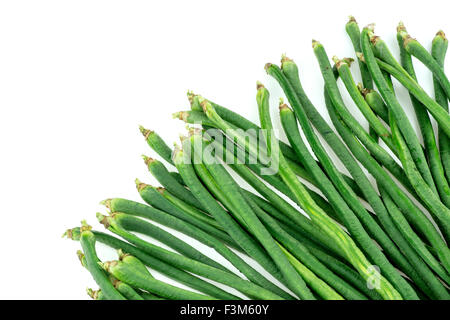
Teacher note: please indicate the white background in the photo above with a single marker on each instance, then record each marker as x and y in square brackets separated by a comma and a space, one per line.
[78, 77]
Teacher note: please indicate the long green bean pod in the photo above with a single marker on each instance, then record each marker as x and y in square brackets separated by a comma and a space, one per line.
[376, 103]
[160, 172]
[134, 208]
[350, 249]
[438, 50]
[316, 284]
[157, 143]
[126, 290]
[354, 33]
[246, 287]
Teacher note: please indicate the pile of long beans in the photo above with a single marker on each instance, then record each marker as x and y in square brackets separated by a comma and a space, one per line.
[380, 231]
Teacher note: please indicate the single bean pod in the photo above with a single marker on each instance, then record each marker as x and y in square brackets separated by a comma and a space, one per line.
[438, 50]
[160, 172]
[354, 33]
[157, 143]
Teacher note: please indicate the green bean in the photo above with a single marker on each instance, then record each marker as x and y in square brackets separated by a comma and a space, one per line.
[134, 208]
[351, 251]
[127, 291]
[438, 50]
[179, 261]
[153, 197]
[375, 102]
[293, 280]
[402, 225]
[346, 77]
[87, 241]
[433, 107]
[168, 269]
[132, 261]
[160, 172]
[194, 212]
[316, 284]
[157, 143]
[418, 51]
[355, 36]
[436, 207]
[123, 272]
[134, 224]
[406, 205]
[149, 296]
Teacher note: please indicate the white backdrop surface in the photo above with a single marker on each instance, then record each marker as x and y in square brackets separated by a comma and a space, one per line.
[78, 77]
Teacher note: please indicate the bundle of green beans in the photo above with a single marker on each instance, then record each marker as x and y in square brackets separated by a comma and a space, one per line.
[311, 231]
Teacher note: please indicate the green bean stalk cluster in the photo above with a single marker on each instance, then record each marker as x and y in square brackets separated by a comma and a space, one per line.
[286, 222]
